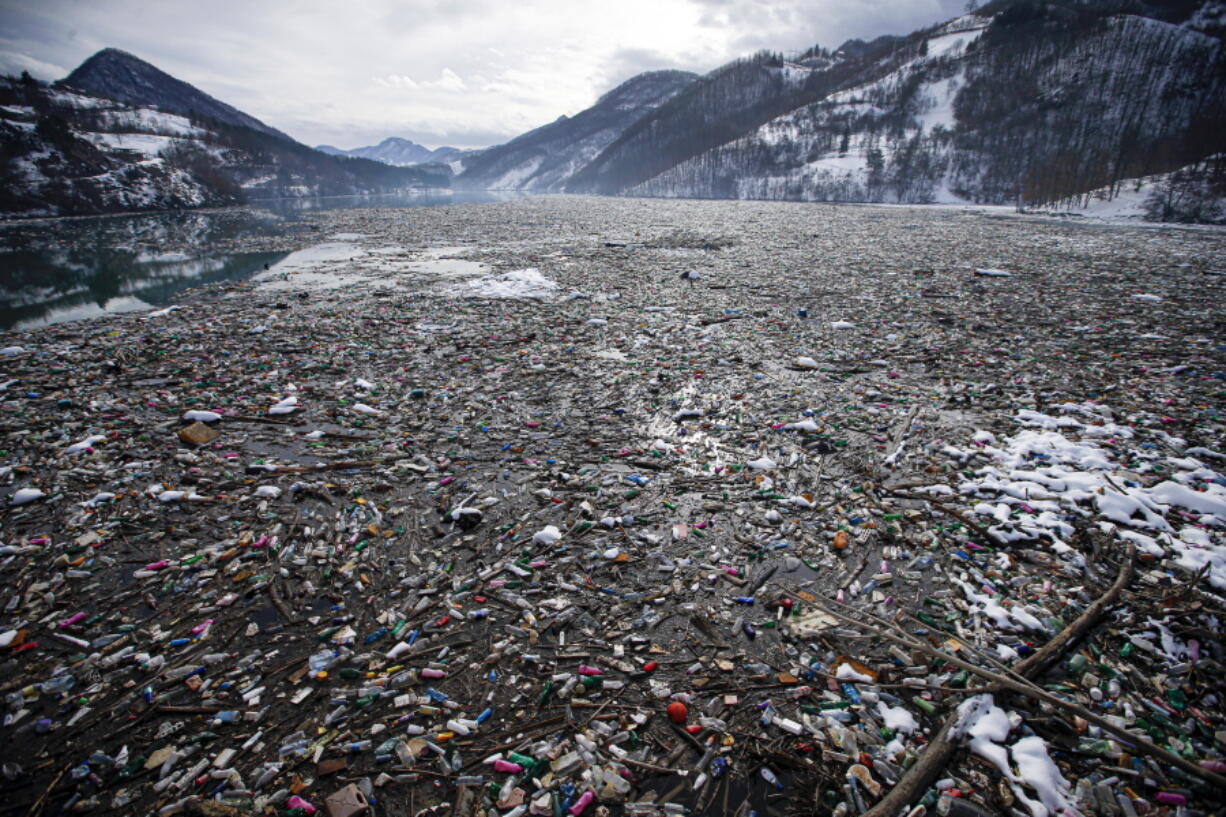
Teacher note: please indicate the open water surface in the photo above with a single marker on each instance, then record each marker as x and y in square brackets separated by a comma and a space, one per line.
[56, 270]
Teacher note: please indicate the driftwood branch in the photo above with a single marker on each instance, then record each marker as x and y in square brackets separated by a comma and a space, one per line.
[1039, 662]
[950, 511]
[279, 602]
[942, 747]
[332, 466]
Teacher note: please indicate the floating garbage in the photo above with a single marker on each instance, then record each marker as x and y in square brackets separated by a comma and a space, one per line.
[461, 543]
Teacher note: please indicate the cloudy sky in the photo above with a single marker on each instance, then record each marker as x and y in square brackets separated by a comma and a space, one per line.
[467, 73]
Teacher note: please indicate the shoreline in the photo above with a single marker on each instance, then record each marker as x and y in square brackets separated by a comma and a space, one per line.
[997, 209]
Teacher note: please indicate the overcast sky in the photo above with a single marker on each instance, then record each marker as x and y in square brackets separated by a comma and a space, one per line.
[467, 73]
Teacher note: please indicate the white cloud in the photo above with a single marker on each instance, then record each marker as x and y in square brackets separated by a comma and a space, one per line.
[466, 72]
[449, 81]
[14, 60]
[396, 81]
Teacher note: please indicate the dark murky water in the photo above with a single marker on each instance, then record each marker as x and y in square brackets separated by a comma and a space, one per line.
[56, 270]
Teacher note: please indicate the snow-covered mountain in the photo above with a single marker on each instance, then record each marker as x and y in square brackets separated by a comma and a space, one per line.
[1035, 102]
[67, 151]
[123, 77]
[1022, 100]
[399, 152]
[988, 108]
[545, 158]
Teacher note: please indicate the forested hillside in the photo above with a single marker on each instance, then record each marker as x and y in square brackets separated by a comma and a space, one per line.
[1023, 102]
[1018, 107]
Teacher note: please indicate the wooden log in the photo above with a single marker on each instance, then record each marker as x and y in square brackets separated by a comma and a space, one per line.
[941, 749]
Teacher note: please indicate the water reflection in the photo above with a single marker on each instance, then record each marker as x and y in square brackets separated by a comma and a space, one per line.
[56, 270]
[51, 286]
[429, 198]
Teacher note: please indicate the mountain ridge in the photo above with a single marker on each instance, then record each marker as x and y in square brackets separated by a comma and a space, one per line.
[65, 150]
[1026, 102]
[1022, 101]
[124, 77]
[399, 152]
[544, 158]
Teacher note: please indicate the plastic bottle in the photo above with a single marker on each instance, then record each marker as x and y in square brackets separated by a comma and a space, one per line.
[58, 684]
[297, 802]
[582, 803]
[322, 660]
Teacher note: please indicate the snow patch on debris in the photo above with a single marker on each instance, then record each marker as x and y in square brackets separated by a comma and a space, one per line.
[1036, 767]
[525, 284]
[1061, 466]
[846, 672]
[987, 727]
[896, 718]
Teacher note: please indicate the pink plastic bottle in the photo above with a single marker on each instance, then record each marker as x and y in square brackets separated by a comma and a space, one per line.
[582, 803]
[298, 802]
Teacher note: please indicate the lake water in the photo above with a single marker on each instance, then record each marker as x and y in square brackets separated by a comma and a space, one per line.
[56, 270]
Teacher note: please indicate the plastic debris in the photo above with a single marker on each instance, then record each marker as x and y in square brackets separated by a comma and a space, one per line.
[557, 531]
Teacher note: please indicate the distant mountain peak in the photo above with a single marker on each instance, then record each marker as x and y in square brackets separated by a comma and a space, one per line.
[115, 74]
[398, 152]
[112, 53]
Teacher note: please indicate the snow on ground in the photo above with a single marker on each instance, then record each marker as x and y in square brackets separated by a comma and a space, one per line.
[987, 727]
[525, 284]
[72, 100]
[147, 144]
[795, 73]
[942, 96]
[967, 22]
[514, 178]
[1079, 462]
[943, 195]
[851, 163]
[952, 44]
[1128, 203]
[146, 120]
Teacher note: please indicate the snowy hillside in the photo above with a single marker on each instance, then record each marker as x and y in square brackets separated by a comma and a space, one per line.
[63, 151]
[1021, 101]
[984, 109]
[123, 77]
[120, 163]
[867, 142]
[545, 159]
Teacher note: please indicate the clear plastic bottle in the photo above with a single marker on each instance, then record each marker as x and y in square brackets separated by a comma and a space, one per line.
[58, 684]
[322, 660]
